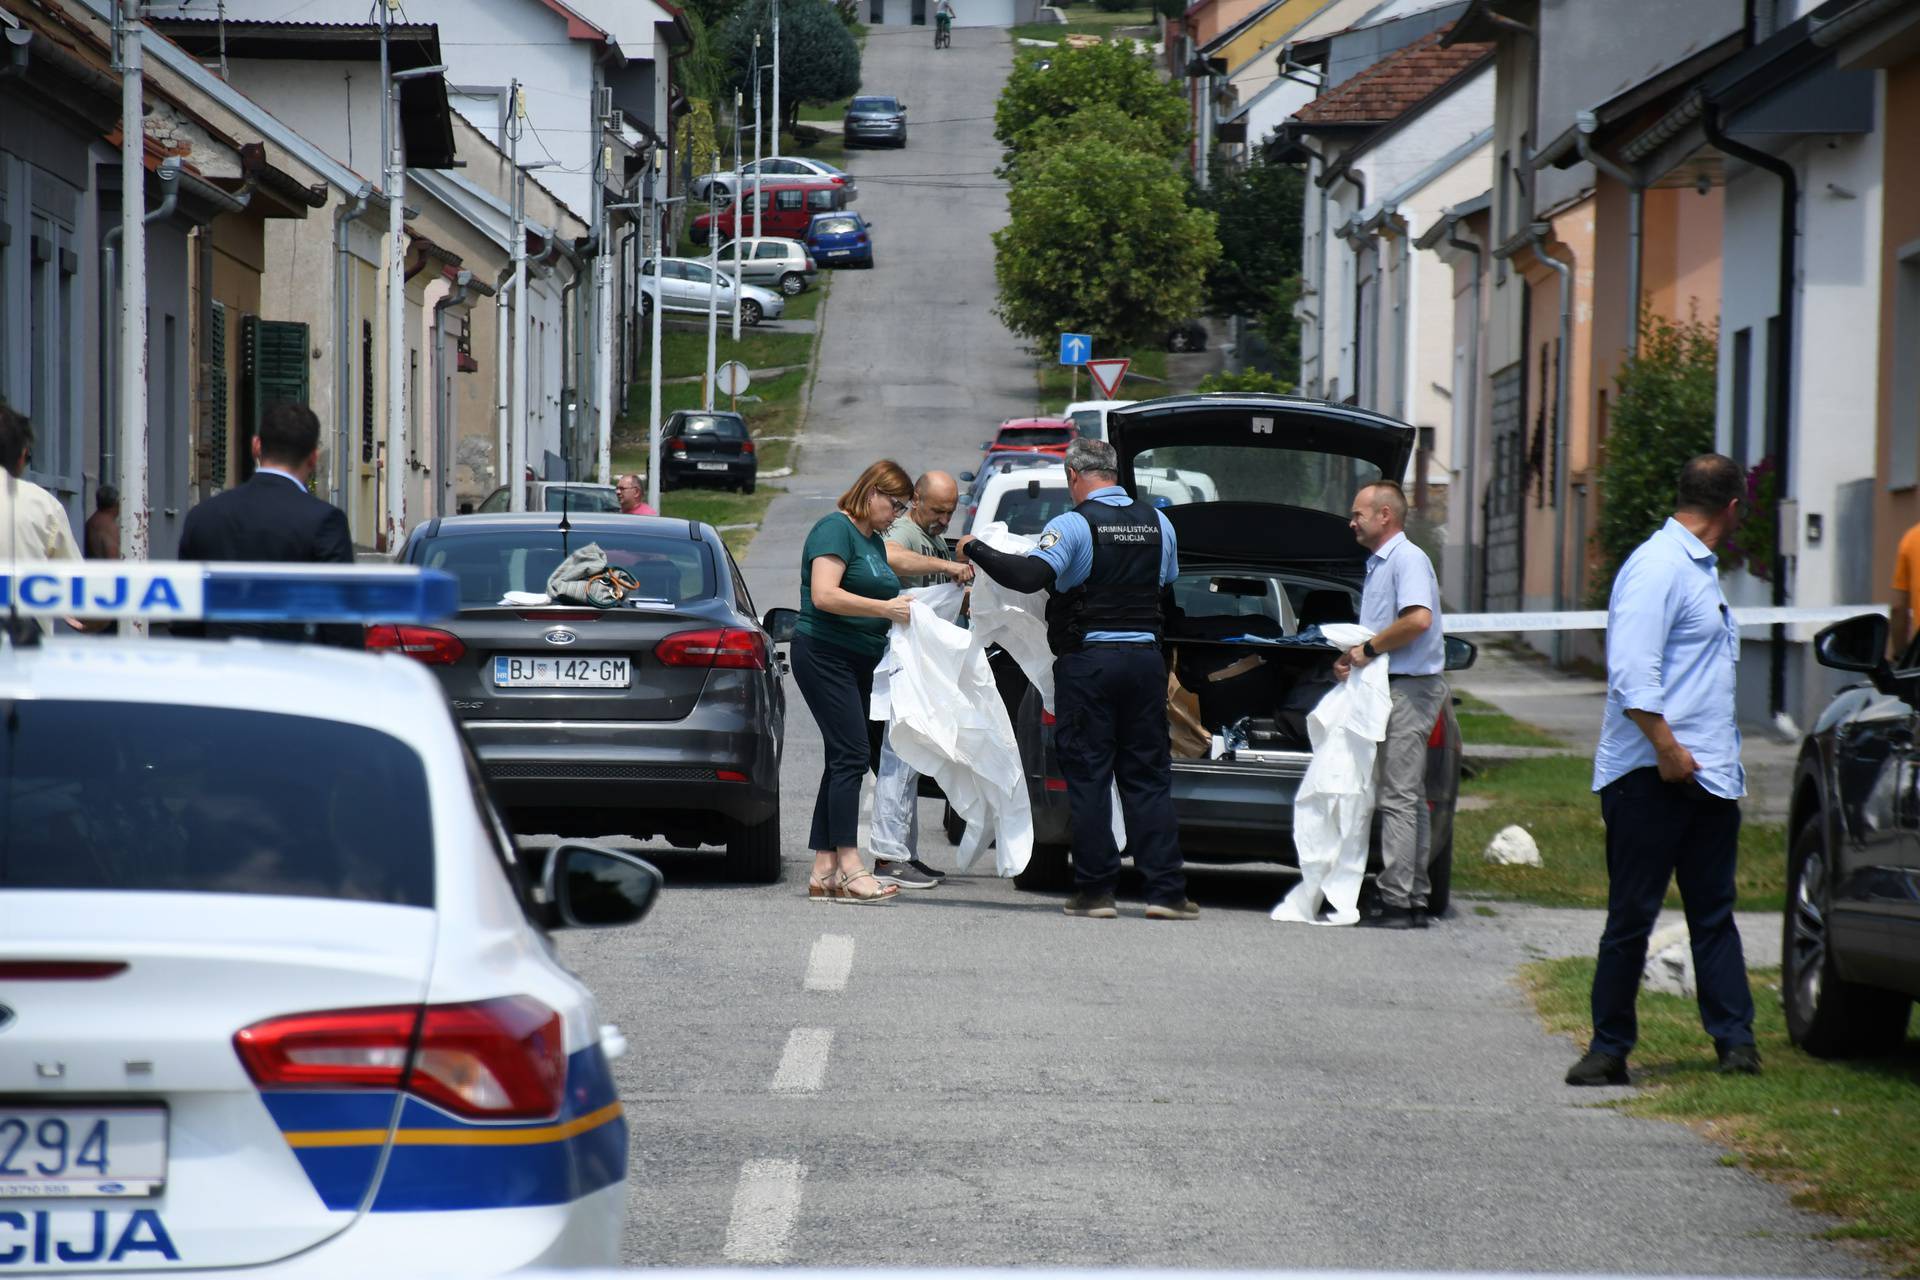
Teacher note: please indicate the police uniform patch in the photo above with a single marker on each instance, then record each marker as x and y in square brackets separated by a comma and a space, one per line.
[1048, 539]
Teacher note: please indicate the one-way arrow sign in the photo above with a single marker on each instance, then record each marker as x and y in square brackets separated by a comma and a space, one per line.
[1075, 348]
[1107, 375]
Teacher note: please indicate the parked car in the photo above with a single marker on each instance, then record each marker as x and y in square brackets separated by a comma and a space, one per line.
[662, 717]
[1189, 336]
[555, 495]
[1025, 498]
[872, 118]
[687, 285]
[772, 168]
[1850, 946]
[1045, 435]
[841, 239]
[992, 465]
[707, 447]
[772, 264]
[1271, 555]
[786, 207]
[1089, 417]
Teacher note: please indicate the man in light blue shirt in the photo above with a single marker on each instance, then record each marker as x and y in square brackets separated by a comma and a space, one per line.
[1669, 775]
[1401, 606]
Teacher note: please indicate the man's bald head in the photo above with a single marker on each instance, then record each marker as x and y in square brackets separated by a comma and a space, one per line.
[935, 496]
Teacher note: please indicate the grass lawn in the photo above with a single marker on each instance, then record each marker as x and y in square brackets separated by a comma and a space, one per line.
[806, 306]
[827, 111]
[1486, 725]
[683, 351]
[1830, 1130]
[1056, 381]
[1085, 20]
[825, 146]
[1551, 798]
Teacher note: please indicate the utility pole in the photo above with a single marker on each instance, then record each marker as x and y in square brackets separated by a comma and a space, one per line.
[759, 127]
[398, 448]
[603, 347]
[658, 224]
[133, 282]
[776, 79]
[737, 228]
[714, 277]
[517, 398]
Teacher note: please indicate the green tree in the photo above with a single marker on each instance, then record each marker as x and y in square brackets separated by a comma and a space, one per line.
[1101, 240]
[1663, 411]
[1256, 380]
[1108, 122]
[1036, 100]
[819, 58]
[1259, 210]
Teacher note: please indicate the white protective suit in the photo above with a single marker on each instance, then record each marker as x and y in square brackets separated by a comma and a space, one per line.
[1333, 810]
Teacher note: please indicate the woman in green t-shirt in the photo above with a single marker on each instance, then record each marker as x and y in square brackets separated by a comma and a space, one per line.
[848, 600]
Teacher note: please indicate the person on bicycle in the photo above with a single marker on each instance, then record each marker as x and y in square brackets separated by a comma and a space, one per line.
[943, 22]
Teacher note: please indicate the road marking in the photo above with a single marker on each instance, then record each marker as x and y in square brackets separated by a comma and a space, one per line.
[803, 1064]
[765, 1206]
[830, 963]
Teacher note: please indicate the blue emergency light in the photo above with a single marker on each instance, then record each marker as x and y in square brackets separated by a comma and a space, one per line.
[179, 591]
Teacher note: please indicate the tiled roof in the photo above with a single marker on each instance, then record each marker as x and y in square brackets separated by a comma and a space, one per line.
[1395, 84]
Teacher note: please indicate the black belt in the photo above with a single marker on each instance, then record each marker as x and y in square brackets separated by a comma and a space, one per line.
[1412, 675]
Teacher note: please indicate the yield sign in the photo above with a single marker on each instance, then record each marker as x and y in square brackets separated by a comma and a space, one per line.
[1107, 375]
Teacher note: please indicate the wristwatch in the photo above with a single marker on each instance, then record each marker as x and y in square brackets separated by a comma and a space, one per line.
[1366, 647]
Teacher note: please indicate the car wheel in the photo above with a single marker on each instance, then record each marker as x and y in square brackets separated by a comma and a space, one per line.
[1440, 879]
[750, 485]
[753, 854]
[1180, 340]
[749, 312]
[1826, 1015]
[953, 824]
[793, 284]
[1049, 870]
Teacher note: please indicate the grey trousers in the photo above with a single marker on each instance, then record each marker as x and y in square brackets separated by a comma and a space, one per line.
[1400, 781]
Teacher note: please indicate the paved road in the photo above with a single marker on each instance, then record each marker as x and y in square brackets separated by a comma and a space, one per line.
[970, 1078]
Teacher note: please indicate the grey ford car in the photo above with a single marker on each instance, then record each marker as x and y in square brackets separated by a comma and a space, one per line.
[1268, 559]
[663, 716]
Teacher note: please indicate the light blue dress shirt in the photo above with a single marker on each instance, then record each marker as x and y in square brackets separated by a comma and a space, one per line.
[1401, 577]
[1070, 551]
[1672, 647]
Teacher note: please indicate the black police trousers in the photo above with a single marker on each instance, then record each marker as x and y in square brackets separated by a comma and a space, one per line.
[1110, 728]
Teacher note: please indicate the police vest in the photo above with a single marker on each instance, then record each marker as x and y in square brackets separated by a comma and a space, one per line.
[1122, 591]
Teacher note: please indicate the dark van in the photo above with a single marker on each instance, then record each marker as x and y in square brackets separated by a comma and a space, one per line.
[786, 209]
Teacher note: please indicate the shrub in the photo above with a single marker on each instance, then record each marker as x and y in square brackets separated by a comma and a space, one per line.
[1255, 380]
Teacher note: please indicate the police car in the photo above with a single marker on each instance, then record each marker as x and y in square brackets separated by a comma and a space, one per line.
[275, 985]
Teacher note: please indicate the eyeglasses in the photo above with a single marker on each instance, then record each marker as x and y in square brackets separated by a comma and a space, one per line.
[899, 508]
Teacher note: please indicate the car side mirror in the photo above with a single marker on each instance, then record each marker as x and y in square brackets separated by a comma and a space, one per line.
[966, 477]
[781, 624]
[1857, 644]
[1460, 654]
[586, 886]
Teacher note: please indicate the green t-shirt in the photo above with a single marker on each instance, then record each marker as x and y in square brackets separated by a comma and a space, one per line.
[906, 533]
[867, 575]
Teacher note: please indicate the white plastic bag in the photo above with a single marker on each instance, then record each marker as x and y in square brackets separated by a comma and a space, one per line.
[895, 831]
[1014, 620]
[1333, 809]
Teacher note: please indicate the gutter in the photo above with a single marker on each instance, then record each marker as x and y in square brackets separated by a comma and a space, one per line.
[168, 175]
[442, 435]
[1537, 237]
[350, 211]
[1472, 417]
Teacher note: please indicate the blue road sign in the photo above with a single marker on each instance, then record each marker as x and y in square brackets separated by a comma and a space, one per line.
[1075, 348]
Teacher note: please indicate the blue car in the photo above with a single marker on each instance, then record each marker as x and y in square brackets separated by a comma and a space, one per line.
[840, 239]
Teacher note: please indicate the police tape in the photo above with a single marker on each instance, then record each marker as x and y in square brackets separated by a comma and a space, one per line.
[184, 591]
[1457, 624]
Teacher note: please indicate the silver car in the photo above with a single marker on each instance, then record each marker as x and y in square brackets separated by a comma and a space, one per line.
[556, 495]
[686, 287]
[770, 263]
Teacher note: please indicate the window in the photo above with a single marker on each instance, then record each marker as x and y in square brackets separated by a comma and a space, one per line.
[823, 199]
[789, 200]
[211, 800]
[771, 249]
[488, 565]
[366, 401]
[1027, 508]
[694, 273]
[1742, 395]
[1034, 437]
[719, 426]
[1252, 473]
[1904, 468]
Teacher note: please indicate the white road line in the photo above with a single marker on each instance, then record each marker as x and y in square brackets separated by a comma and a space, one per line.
[803, 1064]
[765, 1206]
[830, 963]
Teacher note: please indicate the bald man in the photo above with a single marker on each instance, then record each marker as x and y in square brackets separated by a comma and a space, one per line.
[632, 495]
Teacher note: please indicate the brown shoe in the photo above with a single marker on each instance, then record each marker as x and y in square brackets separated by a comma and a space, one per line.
[1185, 909]
[1091, 906]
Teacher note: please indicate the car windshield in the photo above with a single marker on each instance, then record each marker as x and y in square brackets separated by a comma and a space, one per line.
[1028, 437]
[1027, 508]
[1089, 423]
[1233, 473]
[874, 104]
[835, 227]
[580, 497]
[488, 565]
[155, 797]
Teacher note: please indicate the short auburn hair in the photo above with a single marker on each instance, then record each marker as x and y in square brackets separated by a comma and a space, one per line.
[885, 476]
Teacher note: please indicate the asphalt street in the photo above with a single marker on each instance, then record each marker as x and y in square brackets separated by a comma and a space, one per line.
[966, 1077]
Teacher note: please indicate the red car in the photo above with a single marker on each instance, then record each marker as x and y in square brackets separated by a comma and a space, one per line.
[1032, 435]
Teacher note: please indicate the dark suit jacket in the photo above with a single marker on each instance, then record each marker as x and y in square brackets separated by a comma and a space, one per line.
[271, 519]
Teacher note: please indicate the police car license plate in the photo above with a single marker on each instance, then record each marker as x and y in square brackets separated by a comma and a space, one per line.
[58, 1152]
[537, 671]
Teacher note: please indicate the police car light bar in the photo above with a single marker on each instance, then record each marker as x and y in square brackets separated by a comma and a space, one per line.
[181, 591]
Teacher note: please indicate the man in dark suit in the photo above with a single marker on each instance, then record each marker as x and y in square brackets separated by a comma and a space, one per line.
[272, 517]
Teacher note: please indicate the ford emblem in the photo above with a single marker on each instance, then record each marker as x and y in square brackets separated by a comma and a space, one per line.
[560, 635]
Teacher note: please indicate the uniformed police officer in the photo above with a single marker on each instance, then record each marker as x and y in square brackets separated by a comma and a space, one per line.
[1104, 565]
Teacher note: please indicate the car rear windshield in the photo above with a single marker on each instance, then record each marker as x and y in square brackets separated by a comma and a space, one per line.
[1089, 424]
[488, 565]
[1026, 437]
[1186, 473]
[718, 425]
[137, 796]
[580, 497]
[1027, 511]
[874, 104]
[836, 227]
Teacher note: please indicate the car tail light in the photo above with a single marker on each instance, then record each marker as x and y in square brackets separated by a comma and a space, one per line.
[729, 775]
[747, 447]
[1438, 738]
[494, 1059]
[430, 645]
[727, 648]
[60, 970]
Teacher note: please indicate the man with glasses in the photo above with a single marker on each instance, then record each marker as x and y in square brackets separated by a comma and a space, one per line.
[1669, 775]
[632, 496]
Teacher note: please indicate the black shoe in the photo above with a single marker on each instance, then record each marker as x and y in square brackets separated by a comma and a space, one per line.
[1091, 906]
[1420, 917]
[1598, 1068]
[1185, 909]
[926, 870]
[1390, 918]
[1740, 1060]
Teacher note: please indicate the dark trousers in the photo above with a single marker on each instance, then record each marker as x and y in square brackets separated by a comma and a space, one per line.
[1657, 832]
[1111, 728]
[837, 684]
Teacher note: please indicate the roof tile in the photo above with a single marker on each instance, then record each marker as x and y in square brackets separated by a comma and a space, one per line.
[1395, 84]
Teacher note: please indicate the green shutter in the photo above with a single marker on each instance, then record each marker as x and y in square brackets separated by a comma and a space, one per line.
[217, 398]
[273, 367]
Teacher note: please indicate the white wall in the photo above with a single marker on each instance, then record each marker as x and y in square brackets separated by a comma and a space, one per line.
[335, 105]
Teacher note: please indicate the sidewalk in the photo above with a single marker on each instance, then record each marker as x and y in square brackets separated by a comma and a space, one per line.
[1569, 706]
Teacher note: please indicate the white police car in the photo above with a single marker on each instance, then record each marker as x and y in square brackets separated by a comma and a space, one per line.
[273, 990]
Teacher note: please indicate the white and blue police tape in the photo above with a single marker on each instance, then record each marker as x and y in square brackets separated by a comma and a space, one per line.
[1457, 624]
[182, 591]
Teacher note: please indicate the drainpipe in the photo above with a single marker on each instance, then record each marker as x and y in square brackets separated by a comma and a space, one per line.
[17, 39]
[1563, 418]
[1359, 186]
[1587, 123]
[506, 302]
[1473, 595]
[1780, 356]
[571, 356]
[343, 349]
[168, 176]
[442, 441]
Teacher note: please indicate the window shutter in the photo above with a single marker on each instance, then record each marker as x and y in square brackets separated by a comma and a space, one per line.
[217, 399]
[273, 367]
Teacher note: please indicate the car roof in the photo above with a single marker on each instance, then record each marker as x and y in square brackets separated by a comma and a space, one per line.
[579, 522]
[1057, 424]
[1079, 405]
[1014, 477]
